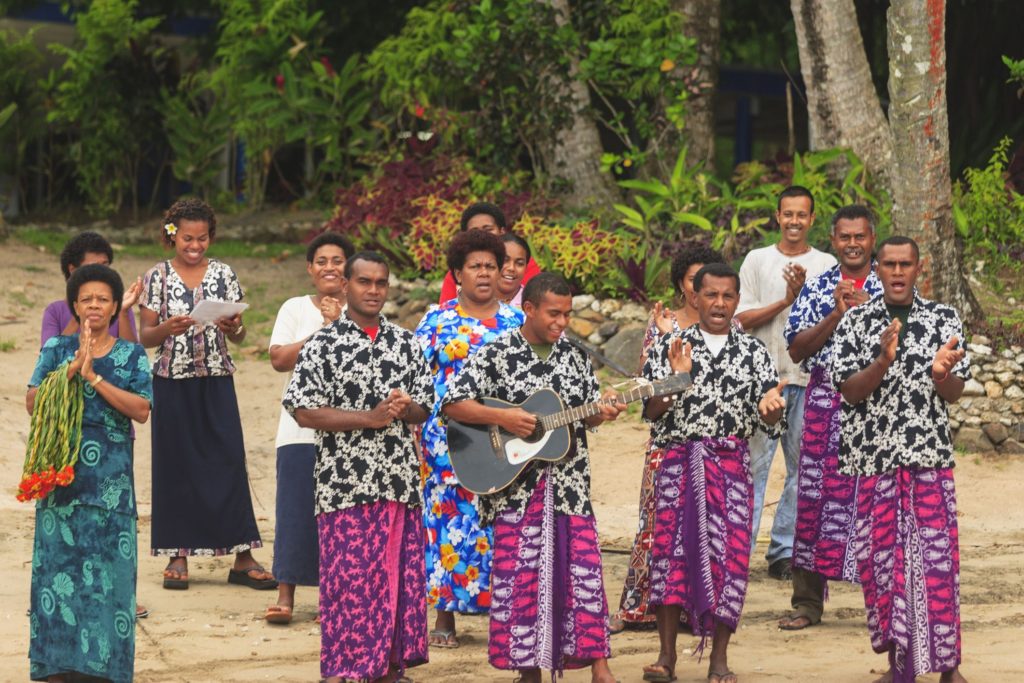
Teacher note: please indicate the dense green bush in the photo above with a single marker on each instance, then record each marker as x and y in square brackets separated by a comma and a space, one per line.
[20, 101]
[989, 212]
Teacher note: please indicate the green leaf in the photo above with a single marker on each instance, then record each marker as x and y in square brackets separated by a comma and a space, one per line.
[67, 615]
[694, 219]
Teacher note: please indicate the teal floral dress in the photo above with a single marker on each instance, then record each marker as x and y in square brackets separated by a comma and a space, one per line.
[84, 557]
[458, 549]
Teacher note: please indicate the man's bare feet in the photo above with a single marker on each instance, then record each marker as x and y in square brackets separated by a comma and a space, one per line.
[953, 676]
[600, 673]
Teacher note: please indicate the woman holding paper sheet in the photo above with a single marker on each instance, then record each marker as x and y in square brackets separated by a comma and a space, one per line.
[201, 501]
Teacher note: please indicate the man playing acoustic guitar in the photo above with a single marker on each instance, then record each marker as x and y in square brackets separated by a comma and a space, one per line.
[548, 606]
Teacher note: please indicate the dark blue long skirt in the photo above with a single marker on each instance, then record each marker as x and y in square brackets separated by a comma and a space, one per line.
[296, 544]
[201, 500]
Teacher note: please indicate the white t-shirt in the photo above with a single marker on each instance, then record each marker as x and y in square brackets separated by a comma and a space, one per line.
[761, 284]
[298, 318]
[715, 342]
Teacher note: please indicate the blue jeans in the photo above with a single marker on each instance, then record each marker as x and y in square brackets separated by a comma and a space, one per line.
[762, 452]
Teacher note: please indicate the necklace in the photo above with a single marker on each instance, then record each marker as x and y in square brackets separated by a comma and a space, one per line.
[97, 352]
[806, 249]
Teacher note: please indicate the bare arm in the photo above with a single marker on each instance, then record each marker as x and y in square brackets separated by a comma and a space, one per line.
[758, 317]
[947, 385]
[808, 342]
[131, 405]
[284, 356]
[327, 419]
[30, 399]
[153, 333]
[513, 420]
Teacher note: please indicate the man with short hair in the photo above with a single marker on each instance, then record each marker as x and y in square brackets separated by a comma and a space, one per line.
[826, 500]
[489, 218]
[898, 362]
[771, 279]
[701, 547]
[361, 382]
[548, 605]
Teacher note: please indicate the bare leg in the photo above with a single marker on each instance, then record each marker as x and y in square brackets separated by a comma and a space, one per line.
[529, 676]
[668, 629]
[286, 594]
[600, 673]
[444, 624]
[718, 667]
[952, 676]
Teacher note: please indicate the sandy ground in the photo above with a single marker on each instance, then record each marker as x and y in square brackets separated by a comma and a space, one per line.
[214, 632]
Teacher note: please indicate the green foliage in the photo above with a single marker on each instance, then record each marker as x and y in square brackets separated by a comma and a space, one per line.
[107, 97]
[1016, 67]
[198, 128]
[276, 86]
[989, 212]
[21, 122]
[490, 78]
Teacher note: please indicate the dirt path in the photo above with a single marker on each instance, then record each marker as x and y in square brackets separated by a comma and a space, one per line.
[213, 631]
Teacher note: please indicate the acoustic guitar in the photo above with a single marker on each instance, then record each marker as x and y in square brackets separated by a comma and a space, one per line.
[486, 458]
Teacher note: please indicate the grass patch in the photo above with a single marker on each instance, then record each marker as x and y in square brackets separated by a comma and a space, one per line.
[21, 299]
[7, 345]
[33, 269]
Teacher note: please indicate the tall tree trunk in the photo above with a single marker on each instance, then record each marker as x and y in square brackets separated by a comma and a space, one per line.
[702, 22]
[844, 108]
[575, 153]
[920, 129]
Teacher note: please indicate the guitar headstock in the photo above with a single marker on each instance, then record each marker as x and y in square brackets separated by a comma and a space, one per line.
[675, 383]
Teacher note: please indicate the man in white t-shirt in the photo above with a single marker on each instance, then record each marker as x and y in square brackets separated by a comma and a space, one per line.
[770, 279]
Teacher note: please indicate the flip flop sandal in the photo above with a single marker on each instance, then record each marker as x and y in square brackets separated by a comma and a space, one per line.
[278, 614]
[448, 639]
[175, 579]
[141, 612]
[791, 625]
[666, 675]
[720, 674]
[243, 577]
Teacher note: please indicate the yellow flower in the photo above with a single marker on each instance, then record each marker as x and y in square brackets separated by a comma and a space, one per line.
[433, 596]
[472, 573]
[456, 348]
[170, 229]
[465, 329]
[482, 546]
[449, 558]
[667, 65]
[627, 162]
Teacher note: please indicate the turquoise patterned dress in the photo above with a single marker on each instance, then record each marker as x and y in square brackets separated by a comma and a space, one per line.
[84, 558]
[459, 551]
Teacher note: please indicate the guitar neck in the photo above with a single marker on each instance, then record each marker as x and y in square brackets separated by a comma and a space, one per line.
[586, 410]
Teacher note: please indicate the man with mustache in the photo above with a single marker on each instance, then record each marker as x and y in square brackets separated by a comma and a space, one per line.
[771, 279]
[826, 500]
[898, 362]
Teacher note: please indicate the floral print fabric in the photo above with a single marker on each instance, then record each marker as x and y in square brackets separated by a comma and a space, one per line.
[726, 389]
[904, 422]
[458, 547]
[341, 367]
[200, 351]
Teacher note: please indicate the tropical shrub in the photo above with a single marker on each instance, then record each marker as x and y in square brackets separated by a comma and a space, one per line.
[21, 120]
[989, 212]
[107, 97]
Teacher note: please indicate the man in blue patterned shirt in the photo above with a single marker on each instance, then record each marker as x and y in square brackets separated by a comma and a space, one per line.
[826, 500]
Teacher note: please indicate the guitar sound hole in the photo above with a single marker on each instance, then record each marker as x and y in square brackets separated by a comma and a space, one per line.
[538, 432]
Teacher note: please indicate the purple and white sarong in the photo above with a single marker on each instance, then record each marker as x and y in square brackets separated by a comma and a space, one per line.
[701, 553]
[372, 581]
[826, 504]
[909, 559]
[548, 606]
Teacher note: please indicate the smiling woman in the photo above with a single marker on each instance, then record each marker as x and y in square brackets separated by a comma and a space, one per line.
[296, 551]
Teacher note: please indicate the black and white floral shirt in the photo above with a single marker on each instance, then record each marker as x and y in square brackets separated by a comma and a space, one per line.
[726, 389]
[510, 370]
[816, 302]
[340, 367]
[904, 422]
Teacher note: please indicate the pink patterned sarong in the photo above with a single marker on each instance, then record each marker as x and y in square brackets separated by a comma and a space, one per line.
[909, 561]
[548, 606]
[701, 553]
[372, 581]
[826, 504]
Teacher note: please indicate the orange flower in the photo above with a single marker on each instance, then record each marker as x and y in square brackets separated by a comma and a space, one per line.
[472, 573]
[433, 596]
[482, 546]
[667, 65]
[449, 558]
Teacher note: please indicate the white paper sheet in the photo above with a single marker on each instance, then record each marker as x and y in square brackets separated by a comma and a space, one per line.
[209, 311]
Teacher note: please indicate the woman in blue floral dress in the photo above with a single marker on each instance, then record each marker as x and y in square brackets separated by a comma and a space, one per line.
[84, 559]
[458, 549]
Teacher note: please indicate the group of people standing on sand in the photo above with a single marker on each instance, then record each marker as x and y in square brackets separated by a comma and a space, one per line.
[840, 360]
